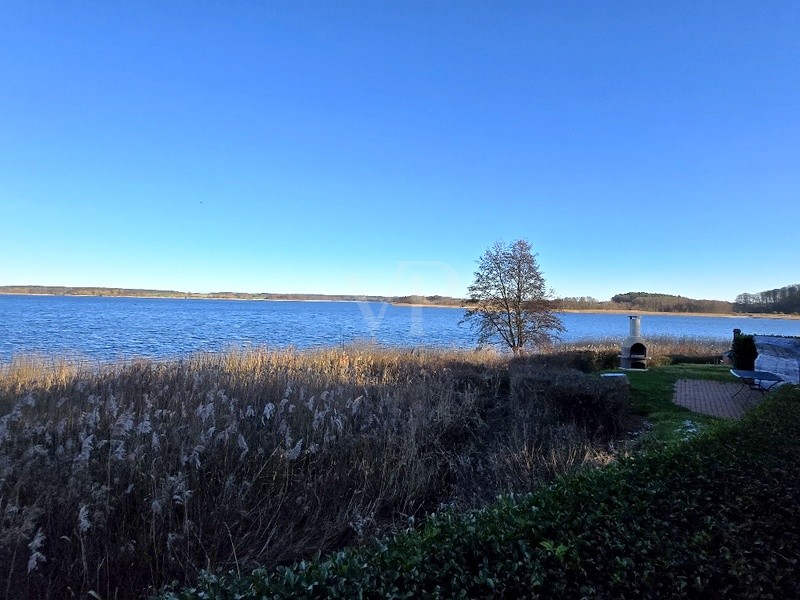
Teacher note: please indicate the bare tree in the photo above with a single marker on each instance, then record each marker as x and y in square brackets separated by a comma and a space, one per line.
[509, 300]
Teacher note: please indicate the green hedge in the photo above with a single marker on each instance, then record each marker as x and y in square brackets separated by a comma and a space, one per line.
[743, 352]
[714, 517]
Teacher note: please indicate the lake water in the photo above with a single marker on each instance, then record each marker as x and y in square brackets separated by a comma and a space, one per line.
[113, 328]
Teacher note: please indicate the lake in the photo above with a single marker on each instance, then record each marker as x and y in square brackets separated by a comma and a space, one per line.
[98, 328]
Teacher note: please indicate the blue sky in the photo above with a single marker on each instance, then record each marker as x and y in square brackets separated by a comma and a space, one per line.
[381, 147]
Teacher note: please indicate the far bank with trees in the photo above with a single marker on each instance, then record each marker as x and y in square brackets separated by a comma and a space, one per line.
[784, 300]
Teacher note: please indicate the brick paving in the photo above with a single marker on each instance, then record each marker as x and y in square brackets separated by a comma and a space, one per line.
[715, 397]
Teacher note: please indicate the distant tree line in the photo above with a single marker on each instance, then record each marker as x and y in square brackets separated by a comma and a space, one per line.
[781, 300]
[429, 300]
[583, 303]
[54, 290]
[649, 302]
[670, 303]
[140, 293]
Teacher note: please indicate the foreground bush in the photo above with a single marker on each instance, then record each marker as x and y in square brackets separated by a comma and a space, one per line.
[118, 479]
[715, 517]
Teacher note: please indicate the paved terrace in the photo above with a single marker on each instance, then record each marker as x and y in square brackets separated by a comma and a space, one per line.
[715, 398]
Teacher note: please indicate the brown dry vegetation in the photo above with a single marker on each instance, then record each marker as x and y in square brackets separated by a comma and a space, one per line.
[120, 478]
[662, 350]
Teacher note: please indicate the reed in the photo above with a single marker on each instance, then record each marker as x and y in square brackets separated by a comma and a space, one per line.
[663, 350]
[119, 478]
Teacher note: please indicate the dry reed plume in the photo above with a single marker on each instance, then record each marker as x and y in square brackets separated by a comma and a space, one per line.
[117, 479]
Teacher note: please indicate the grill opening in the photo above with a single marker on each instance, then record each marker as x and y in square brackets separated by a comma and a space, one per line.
[638, 350]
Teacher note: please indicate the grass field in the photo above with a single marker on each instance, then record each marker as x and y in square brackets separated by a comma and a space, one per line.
[652, 393]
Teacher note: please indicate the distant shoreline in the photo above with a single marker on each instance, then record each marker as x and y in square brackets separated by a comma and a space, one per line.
[98, 292]
[234, 298]
[732, 315]
[449, 302]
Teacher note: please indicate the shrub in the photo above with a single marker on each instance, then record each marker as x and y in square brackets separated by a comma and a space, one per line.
[586, 361]
[590, 401]
[743, 352]
[683, 359]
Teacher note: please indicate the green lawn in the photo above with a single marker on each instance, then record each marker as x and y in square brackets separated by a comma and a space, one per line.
[651, 397]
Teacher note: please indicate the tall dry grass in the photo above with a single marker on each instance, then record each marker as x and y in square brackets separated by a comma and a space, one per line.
[116, 479]
[662, 350]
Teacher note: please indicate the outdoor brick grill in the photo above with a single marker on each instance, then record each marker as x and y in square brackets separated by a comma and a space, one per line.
[634, 350]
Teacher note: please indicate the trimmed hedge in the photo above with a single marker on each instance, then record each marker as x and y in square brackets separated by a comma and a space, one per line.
[744, 352]
[716, 516]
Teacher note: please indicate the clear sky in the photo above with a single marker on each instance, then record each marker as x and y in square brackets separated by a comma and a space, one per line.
[381, 147]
